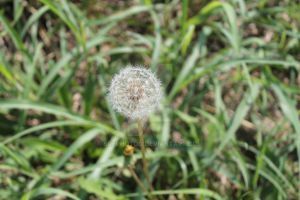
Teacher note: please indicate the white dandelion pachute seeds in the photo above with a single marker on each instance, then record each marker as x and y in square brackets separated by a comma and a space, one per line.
[135, 92]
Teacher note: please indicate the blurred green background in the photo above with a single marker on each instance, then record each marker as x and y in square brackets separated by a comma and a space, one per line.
[228, 127]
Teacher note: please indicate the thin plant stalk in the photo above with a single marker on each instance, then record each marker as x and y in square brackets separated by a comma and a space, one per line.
[143, 150]
[137, 179]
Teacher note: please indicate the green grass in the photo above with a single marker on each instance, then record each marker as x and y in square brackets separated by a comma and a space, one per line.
[228, 127]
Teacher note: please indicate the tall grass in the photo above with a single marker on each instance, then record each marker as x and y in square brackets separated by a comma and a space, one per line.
[229, 125]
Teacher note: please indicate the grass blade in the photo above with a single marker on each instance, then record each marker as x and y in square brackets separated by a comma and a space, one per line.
[239, 115]
[195, 191]
[51, 109]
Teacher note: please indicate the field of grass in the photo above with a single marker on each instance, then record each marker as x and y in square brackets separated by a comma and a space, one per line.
[228, 127]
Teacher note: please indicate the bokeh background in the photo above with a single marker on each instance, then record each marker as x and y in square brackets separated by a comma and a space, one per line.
[228, 127]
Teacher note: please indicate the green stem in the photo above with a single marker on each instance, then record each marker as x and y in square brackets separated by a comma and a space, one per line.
[144, 160]
[137, 179]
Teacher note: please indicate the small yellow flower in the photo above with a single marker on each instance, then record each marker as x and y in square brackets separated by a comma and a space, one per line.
[129, 150]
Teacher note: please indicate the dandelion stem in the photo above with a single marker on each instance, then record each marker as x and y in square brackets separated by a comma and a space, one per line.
[144, 160]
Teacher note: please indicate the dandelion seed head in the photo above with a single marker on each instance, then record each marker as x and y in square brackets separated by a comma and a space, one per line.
[135, 92]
